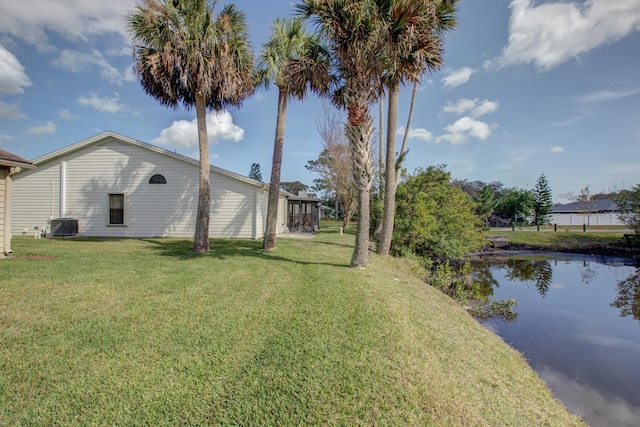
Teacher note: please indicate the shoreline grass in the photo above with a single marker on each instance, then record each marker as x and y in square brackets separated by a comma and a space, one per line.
[144, 332]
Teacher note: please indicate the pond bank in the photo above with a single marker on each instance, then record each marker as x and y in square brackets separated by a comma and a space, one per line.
[599, 244]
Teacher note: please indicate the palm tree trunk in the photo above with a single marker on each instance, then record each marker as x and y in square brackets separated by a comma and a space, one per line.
[390, 173]
[359, 137]
[380, 150]
[276, 168]
[414, 94]
[201, 238]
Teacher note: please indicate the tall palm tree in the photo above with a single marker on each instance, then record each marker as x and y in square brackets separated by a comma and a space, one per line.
[413, 46]
[289, 42]
[186, 55]
[353, 36]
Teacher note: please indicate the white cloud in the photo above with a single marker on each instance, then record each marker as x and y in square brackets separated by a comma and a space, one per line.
[556, 149]
[461, 106]
[464, 128]
[607, 95]
[48, 128]
[184, 133]
[416, 133]
[457, 77]
[474, 107]
[104, 104]
[66, 114]
[10, 111]
[5, 137]
[549, 34]
[13, 78]
[77, 61]
[33, 20]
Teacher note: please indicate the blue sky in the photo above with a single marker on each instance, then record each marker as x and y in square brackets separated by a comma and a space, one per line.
[528, 87]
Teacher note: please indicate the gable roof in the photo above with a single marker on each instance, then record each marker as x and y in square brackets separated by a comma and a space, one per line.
[9, 159]
[131, 141]
[598, 205]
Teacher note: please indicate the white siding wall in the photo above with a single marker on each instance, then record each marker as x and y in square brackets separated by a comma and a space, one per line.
[580, 219]
[4, 172]
[163, 210]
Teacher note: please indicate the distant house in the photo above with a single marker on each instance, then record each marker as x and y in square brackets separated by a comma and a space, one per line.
[10, 164]
[594, 212]
[115, 186]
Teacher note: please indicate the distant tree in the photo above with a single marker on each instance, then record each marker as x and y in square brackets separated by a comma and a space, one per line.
[334, 164]
[293, 186]
[516, 204]
[255, 173]
[586, 200]
[187, 55]
[542, 201]
[629, 203]
[486, 203]
[434, 218]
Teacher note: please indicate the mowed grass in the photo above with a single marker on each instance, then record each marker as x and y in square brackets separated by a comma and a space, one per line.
[144, 332]
[561, 239]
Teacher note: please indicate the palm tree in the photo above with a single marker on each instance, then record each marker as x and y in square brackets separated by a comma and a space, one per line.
[353, 35]
[186, 55]
[288, 42]
[413, 45]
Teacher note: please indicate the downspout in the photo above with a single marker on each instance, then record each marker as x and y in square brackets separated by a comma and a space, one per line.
[257, 214]
[63, 188]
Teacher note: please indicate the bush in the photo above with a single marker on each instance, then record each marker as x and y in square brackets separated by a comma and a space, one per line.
[435, 219]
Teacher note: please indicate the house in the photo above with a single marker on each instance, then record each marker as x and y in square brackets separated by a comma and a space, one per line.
[594, 212]
[10, 164]
[115, 186]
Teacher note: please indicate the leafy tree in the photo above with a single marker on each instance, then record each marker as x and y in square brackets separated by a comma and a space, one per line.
[435, 219]
[353, 33]
[629, 203]
[186, 55]
[486, 203]
[255, 173]
[515, 204]
[289, 42]
[412, 45]
[542, 201]
[293, 186]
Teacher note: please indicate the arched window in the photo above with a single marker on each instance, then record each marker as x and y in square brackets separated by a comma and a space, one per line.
[157, 179]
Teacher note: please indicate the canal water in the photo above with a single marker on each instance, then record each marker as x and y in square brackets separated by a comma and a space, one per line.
[578, 325]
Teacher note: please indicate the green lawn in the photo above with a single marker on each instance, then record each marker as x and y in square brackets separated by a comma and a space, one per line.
[562, 239]
[143, 332]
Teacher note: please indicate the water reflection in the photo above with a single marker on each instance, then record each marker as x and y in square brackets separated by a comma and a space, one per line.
[628, 299]
[577, 326]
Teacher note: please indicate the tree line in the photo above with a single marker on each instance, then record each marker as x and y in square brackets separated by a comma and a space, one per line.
[188, 54]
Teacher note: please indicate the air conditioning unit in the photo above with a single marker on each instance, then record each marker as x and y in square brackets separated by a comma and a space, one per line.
[64, 227]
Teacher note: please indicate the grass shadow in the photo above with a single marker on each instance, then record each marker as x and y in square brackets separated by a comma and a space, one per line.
[222, 249]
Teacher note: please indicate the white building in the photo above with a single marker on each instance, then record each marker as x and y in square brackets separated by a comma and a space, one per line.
[594, 212]
[112, 185]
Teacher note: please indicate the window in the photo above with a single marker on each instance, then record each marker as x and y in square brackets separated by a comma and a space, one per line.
[157, 179]
[116, 209]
